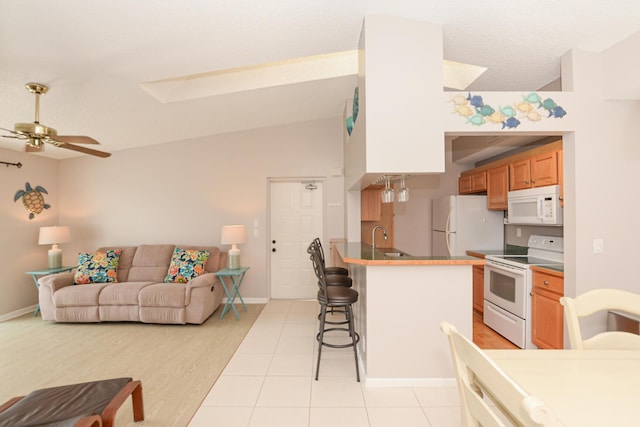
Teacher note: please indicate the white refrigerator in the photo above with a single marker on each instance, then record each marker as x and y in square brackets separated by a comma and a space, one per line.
[461, 223]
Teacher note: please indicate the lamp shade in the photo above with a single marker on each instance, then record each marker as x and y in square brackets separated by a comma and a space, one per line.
[54, 235]
[233, 235]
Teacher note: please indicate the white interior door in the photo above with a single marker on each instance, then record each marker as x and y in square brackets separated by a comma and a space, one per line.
[296, 219]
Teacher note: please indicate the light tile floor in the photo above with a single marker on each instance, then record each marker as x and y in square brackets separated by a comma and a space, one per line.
[270, 382]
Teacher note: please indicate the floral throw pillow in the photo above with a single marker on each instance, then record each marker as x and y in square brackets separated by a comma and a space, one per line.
[97, 267]
[186, 264]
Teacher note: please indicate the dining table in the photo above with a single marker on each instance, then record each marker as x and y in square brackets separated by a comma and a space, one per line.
[582, 387]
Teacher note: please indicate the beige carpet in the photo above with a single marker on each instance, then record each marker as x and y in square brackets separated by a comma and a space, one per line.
[177, 364]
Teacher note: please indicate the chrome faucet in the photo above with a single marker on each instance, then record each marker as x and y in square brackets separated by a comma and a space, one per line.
[373, 235]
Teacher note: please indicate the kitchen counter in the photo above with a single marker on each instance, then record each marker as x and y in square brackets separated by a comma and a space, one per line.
[402, 301]
[550, 268]
[364, 254]
[482, 253]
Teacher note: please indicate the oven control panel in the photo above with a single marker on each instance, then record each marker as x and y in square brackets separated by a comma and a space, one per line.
[549, 243]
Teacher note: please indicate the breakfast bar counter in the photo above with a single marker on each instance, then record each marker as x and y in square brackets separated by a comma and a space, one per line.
[362, 253]
[402, 301]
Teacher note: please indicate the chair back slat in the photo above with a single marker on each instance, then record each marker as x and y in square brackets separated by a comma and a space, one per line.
[595, 301]
[318, 268]
[477, 374]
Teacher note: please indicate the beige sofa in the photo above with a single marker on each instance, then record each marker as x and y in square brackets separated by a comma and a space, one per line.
[140, 295]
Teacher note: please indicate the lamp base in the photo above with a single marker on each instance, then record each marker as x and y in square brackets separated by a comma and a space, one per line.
[234, 257]
[55, 257]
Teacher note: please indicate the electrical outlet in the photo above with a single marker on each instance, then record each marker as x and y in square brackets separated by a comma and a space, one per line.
[518, 232]
[598, 246]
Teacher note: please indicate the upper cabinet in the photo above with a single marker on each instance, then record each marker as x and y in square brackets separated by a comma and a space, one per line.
[538, 167]
[497, 188]
[370, 204]
[537, 171]
[473, 183]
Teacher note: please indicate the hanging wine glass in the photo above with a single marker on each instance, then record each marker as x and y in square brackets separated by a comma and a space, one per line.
[403, 194]
[388, 193]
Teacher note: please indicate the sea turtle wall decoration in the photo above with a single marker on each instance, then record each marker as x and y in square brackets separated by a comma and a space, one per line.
[32, 199]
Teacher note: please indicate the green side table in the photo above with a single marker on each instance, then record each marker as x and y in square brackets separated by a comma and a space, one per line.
[45, 272]
[235, 275]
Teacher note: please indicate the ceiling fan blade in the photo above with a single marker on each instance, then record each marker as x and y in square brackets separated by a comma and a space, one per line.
[80, 149]
[13, 134]
[76, 139]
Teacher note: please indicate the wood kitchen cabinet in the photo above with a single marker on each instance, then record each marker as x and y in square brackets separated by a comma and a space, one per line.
[475, 182]
[547, 329]
[498, 187]
[478, 288]
[370, 204]
[536, 171]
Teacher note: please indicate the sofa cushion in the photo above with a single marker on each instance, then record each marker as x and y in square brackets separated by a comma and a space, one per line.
[86, 295]
[124, 293]
[150, 263]
[126, 259]
[97, 267]
[186, 264]
[162, 295]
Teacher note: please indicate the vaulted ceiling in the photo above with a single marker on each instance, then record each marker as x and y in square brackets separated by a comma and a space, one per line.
[99, 56]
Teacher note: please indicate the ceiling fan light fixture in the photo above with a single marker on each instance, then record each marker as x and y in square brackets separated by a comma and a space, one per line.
[34, 145]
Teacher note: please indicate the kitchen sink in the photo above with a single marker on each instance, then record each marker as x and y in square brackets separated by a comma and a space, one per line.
[394, 254]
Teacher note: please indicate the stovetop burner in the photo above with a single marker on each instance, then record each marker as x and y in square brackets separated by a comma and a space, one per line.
[542, 250]
[524, 259]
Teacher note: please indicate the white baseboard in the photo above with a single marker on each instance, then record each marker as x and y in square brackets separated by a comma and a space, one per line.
[17, 313]
[249, 300]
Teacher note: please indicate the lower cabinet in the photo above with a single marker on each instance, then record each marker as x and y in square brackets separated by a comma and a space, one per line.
[478, 288]
[547, 313]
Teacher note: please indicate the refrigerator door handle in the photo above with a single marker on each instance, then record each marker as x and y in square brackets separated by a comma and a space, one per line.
[447, 234]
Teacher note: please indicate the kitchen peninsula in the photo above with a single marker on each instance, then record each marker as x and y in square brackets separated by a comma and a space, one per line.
[403, 299]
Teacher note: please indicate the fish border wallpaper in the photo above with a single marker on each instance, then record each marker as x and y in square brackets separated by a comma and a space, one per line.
[532, 107]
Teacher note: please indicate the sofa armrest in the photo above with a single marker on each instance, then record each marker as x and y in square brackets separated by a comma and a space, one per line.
[203, 281]
[48, 286]
[56, 281]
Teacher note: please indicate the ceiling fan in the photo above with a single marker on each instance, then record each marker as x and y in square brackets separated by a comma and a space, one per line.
[35, 134]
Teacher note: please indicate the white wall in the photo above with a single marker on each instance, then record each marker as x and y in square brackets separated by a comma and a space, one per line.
[184, 192]
[602, 160]
[412, 227]
[19, 249]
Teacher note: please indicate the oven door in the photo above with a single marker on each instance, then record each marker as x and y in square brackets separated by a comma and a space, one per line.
[506, 287]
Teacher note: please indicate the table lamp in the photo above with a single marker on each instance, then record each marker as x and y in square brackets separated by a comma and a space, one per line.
[233, 235]
[54, 236]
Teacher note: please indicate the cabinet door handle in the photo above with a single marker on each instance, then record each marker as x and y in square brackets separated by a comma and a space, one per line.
[533, 180]
[546, 283]
[531, 293]
[526, 181]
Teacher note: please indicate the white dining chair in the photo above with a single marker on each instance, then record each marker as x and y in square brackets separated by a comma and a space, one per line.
[477, 375]
[592, 302]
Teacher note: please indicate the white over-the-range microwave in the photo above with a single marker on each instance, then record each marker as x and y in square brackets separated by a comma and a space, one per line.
[539, 206]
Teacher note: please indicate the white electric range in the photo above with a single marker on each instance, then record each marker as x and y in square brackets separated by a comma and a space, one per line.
[507, 287]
